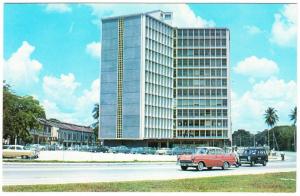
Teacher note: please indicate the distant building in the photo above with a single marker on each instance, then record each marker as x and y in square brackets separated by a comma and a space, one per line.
[56, 132]
[163, 85]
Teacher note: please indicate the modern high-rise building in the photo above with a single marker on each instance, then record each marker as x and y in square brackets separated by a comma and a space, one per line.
[163, 85]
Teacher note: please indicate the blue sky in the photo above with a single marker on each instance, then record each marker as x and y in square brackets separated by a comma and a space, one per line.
[52, 51]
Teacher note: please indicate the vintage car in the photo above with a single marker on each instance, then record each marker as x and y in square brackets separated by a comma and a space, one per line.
[207, 157]
[15, 151]
[253, 156]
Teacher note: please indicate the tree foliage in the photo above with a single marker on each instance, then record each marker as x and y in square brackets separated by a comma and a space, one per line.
[95, 113]
[271, 117]
[293, 115]
[20, 114]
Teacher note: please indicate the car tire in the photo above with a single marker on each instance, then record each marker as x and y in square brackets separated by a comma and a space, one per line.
[184, 168]
[264, 163]
[225, 165]
[252, 163]
[200, 166]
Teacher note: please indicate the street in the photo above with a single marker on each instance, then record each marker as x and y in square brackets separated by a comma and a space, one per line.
[58, 173]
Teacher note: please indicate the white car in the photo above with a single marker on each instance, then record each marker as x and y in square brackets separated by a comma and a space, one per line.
[164, 151]
[15, 151]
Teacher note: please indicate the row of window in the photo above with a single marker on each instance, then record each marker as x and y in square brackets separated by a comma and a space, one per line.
[158, 57]
[202, 62]
[159, 69]
[202, 123]
[160, 37]
[201, 52]
[202, 82]
[161, 80]
[191, 113]
[158, 133]
[201, 32]
[158, 101]
[159, 47]
[201, 72]
[200, 133]
[159, 123]
[201, 43]
[201, 103]
[75, 136]
[158, 90]
[159, 26]
[201, 92]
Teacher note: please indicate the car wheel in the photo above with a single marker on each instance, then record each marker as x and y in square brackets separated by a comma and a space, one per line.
[225, 165]
[22, 157]
[184, 168]
[264, 163]
[200, 166]
[252, 163]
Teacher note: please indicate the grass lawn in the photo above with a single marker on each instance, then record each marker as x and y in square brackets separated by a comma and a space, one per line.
[275, 182]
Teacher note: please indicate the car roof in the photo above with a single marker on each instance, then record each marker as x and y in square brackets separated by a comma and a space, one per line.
[209, 147]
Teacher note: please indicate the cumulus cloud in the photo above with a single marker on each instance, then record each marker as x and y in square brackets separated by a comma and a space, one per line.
[248, 109]
[60, 89]
[284, 28]
[94, 49]
[183, 15]
[59, 7]
[253, 30]
[65, 102]
[256, 67]
[20, 69]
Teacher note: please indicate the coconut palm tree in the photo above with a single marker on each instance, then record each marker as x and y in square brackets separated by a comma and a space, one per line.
[293, 115]
[95, 125]
[271, 119]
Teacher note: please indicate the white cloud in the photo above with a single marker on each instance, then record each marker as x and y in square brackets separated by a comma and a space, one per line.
[65, 103]
[284, 29]
[94, 49]
[256, 67]
[253, 30]
[60, 89]
[20, 69]
[60, 8]
[248, 109]
[183, 15]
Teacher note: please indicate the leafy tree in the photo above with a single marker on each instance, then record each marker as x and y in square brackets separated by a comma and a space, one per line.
[293, 115]
[20, 114]
[242, 137]
[95, 125]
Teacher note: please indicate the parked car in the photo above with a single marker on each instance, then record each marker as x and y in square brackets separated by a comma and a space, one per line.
[138, 150]
[149, 150]
[208, 157]
[119, 149]
[253, 156]
[15, 151]
[164, 151]
[98, 149]
[177, 151]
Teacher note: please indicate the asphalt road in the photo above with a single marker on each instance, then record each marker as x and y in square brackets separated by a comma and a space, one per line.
[57, 173]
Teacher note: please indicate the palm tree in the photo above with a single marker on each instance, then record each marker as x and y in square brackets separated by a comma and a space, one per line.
[293, 115]
[271, 119]
[95, 125]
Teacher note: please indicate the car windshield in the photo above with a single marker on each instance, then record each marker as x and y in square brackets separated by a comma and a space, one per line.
[201, 151]
[249, 151]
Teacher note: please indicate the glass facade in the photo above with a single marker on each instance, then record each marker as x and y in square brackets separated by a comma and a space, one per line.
[161, 82]
[201, 87]
[158, 79]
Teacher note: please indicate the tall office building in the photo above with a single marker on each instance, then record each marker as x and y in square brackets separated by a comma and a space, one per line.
[161, 85]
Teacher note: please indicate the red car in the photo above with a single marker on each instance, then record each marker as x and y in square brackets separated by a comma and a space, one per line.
[208, 157]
